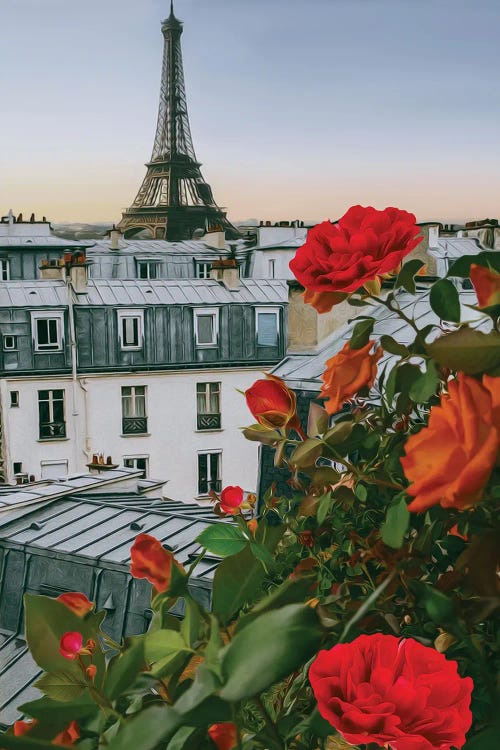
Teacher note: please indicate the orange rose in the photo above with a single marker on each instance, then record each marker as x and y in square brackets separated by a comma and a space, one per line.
[223, 735]
[77, 602]
[273, 404]
[346, 373]
[449, 461]
[68, 736]
[23, 727]
[486, 285]
[150, 560]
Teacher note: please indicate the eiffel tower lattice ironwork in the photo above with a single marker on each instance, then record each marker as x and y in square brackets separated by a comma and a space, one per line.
[174, 200]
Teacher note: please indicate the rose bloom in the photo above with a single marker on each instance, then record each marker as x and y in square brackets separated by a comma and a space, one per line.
[450, 460]
[223, 735]
[346, 373]
[230, 499]
[395, 693]
[338, 259]
[77, 602]
[150, 560]
[70, 645]
[486, 285]
[273, 404]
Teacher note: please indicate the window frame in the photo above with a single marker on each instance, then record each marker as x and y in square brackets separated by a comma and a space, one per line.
[51, 400]
[132, 397]
[199, 312]
[12, 336]
[47, 315]
[4, 269]
[267, 310]
[271, 266]
[123, 315]
[138, 457]
[212, 418]
[14, 399]
[147, 263]
[218, 479]
[207, 264]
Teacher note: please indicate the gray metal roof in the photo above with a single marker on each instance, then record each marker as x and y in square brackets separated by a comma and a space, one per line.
[143, 292]
[304, 370]
[17, 673]
[43, 241]
[162, 247]
[455, 247]
[293, 242]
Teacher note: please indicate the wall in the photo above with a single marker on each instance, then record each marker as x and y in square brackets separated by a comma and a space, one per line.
[306, 327]
[282, 258]
[93, 421]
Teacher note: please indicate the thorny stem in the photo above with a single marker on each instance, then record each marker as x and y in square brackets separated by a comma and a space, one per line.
[397, 310]
[269, 723]
[195, 562]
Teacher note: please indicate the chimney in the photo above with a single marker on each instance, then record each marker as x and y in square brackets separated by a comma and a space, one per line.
[115, 236]
[53, 268]
[215, 239]
[433, 237]
[79, 273]
[307, 328]
[226, 272]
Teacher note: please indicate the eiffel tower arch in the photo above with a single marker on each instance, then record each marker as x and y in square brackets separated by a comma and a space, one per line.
[174, 200]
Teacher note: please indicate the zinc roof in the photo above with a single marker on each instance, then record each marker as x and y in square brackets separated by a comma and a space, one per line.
[455, 247]
[161, 247]
[143, 292]
[43, 241]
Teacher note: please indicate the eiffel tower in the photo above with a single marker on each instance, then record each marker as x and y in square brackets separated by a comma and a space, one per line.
[174, 200]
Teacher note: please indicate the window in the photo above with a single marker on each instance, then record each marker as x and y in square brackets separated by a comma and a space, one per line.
[267, 324]
[14, 398]
[130, 329]
[17, 467]
[140, 463]
[148, 269]
[209, 472]
[203, 269]
[206, 327]
[10, 343]
[208, 406]
[47, 331]
[272, 268]
[51, 414]
[4, 269]
[134, 416]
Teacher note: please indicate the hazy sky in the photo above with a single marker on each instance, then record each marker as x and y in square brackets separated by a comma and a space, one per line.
[298, 108]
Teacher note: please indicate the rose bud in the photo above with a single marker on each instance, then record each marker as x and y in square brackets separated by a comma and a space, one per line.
[486, 285]
[224, 735]
[346, 373]
[306, 538]
[252, 526]
[71, 645]
[231, 499]
[91, 671]
[150, 560]
[23, 727]
[77, 602]
[273, 404]
[68, 736]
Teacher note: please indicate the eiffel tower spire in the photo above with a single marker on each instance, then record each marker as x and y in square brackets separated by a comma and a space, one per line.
[174, 200]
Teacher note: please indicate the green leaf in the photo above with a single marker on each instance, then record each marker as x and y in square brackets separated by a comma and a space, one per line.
[183, 739]
[440, 608]
[222, 539]
[488, 739]
[46, 622]
[366, 605]
[488, 259]
[162, 647]
[291, 591]
[262, 554]
[192, 622]
[317, 422]
[307, 453]
[406, 277]
[61, 686]
[389, 344]
[24, 743]
[239, 577]
[57, 714]
[125, 666]
[260, 434]
[147, 729]
[361, 333]
[324, 504]
[213, 647]
[396, 524]
[390, 385]
[425, 386]
[444, 300]
[269, 649]
[338, 433]
[468, 350]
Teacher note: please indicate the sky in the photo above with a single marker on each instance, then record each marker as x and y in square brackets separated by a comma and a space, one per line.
[298, 108]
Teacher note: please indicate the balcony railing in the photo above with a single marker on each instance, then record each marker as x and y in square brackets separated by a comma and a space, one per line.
[134, 425]
[52, 430]
[209, 421]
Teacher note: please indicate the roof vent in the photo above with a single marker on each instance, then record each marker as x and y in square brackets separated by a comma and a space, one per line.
[36, 526]
[135, 526]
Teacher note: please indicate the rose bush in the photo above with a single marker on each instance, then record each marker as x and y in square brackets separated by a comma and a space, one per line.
[356, 603]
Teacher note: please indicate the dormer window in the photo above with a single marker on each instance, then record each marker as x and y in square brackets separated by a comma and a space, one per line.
[4, 269]
[206, 327]
[148, 269]
[47, 331]
[130, 329]
[203, 269]
[267, 324]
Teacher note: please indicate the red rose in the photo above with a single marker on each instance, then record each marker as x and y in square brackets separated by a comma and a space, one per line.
[396, 693]
[70, 645]
[273, 404]
[152, 561]
[224, 735]
[339, 258]
[68, 736]
[77, 602]
[231, 499]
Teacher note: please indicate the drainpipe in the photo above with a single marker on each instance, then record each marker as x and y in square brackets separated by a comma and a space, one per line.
[87, 450]
[72, 339]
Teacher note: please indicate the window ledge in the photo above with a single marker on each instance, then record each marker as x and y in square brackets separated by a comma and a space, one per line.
[135, 434]
[53, 440]
[212, 429]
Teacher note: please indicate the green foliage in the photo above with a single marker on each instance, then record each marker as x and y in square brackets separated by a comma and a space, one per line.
[222, 539]
[467, 350]
[361, 333]
[406, 277]
[444, 300]
[396, 524]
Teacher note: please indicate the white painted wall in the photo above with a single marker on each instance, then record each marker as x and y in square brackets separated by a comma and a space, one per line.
[93, 423]
[281, 257]
[275, 235]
